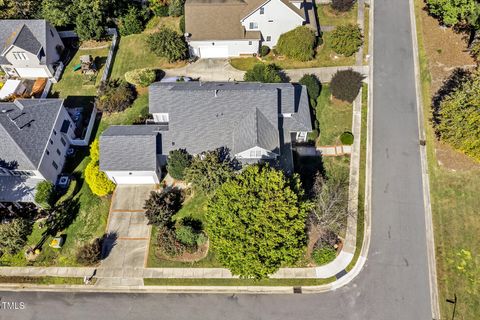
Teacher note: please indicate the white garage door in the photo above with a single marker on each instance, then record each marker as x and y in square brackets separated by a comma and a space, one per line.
[214, 52]
[134, 179]
[32, 73]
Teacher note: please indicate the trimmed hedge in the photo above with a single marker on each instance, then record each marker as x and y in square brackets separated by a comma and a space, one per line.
[298, 44]
[347, 138]
[264, 50]
[141, 77]
[345, 85]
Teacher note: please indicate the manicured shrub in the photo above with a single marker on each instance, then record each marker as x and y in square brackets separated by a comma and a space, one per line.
[115, 96]
[186, 235]
[176, 8]
[298, 44]
[161, 206]
[95, 150]
[342, 5]
[346, 84]
[264, 50]
[45, 194]
[131, 22]
[141, 77]
[178, 161]
[90, 253]
[98, 180]
[168, 44]
[347, 138]
[159, 7]
[268, 73]
[347, 39]
[13, 235]
[323, 255]
[168, 244]
[313, 86]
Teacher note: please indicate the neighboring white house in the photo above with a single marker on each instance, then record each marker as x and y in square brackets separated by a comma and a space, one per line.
[35, 135]
[256, 122]
[29, 49]
[230, 28]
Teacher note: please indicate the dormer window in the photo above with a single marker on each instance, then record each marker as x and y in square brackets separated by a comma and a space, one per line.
[262, 10]
[20, 55]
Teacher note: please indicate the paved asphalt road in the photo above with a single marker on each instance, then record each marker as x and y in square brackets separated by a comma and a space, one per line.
[394, 283]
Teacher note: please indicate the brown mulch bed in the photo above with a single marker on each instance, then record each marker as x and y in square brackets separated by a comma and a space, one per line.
[201, 253]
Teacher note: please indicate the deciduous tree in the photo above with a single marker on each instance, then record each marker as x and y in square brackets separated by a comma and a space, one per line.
[267, 73]
[168, 44]
[256, 222]
[298, 44]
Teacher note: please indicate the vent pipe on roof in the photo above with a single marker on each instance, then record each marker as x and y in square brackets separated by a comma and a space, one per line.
[216, 93]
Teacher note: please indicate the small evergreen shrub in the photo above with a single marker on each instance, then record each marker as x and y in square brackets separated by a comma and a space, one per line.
[345, 85]
[176, 8]
[141, 77]
[186, 235]
[159, 8]
[313, 86]
[347, 39]
[90, 253]
[347, 138]
[323, 255]
[264, 50]
[178, 161]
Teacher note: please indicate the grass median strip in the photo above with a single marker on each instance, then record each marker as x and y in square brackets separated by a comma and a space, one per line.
[41, 280]
[237, 282]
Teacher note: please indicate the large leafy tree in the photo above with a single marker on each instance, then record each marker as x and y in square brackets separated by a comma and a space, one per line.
[168, 44]
[115, 96]
[453, 12]
[90, 19]
[209, 170]
[345, 85]
[256, 222]
[458, 117]
[58, 12]
[19, 9]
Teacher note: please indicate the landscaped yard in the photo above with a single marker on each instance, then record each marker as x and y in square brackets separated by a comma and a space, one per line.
[328, 17]
[334, 118]
[454, 180]
[325, 57]
[72, 85]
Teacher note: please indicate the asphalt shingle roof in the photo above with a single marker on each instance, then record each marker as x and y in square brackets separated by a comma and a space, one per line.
[25, 128]
[239, 116]
[30, 35]
[130, 148]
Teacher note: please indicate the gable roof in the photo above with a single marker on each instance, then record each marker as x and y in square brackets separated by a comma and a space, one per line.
[30, 35]
[239, 116]
[221, 19]
[130, 148]
[25, 128]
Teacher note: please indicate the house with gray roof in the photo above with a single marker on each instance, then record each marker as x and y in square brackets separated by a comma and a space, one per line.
[35, 135]
[256, 122]
[231, 28]
[29, 49]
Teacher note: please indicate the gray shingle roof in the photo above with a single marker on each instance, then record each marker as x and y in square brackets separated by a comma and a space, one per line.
[25, 128]
[30, 35]
[129, 148]
[205, 116]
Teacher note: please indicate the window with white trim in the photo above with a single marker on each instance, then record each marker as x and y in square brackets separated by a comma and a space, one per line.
[253, 25]
[269, 38]
[20, 55]
[262, 10]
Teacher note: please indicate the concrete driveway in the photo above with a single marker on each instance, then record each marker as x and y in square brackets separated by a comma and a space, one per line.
[208, 70]
[126, 247]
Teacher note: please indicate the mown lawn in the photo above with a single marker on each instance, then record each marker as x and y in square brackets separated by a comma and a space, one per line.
[455, 204]
[325, 57]
[43, 280]
[334, 118]
[72, 85]
[329, 17]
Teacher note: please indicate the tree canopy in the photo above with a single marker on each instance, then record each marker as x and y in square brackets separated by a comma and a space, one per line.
[453, 12]
[458, 118]
[169, 44]
[347, 39]
[345, 85]
[256, 222]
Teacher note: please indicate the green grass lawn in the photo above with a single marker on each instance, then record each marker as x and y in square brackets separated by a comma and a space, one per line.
[325, 57]
[133, 53]
[71, 86]
[366, 33]
[455, 204]
[237, 282]
[328, 17]
[334, 117]
[89, 222]
[43, 280]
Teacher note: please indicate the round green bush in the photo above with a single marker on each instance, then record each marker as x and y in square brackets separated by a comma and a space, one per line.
[345, 85]
[313, 86]
[141, 77]
[324, 255]
[264, 50]
[298, 44]
[347, 138]
[346, 39]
